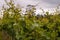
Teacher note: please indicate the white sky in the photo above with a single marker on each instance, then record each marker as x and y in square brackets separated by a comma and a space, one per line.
[42, 3]
[45, 4]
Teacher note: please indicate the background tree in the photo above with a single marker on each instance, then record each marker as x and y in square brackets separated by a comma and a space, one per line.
[14, 26]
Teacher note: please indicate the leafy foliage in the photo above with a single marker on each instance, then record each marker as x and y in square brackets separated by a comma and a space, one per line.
[29, 26]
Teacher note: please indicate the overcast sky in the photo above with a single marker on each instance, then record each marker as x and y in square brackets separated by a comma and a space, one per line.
[41, 3]
[46, 4]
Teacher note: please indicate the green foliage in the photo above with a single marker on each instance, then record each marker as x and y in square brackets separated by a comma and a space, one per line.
[29, 26]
